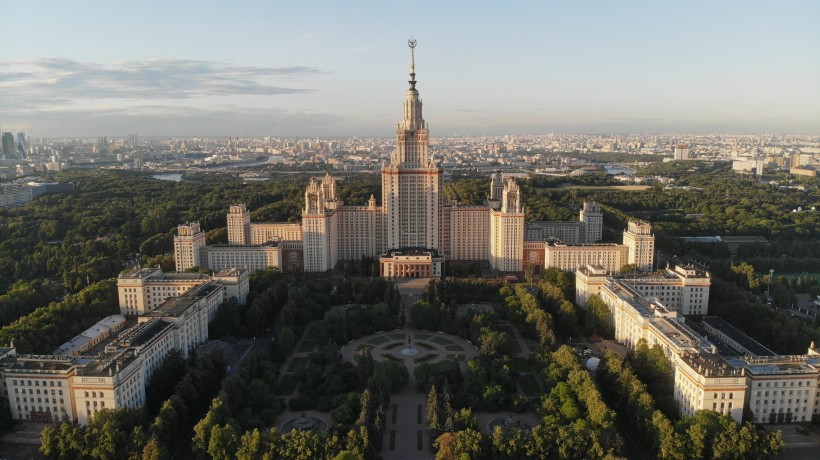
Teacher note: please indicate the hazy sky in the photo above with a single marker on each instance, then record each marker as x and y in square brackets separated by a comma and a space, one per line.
[303, 68]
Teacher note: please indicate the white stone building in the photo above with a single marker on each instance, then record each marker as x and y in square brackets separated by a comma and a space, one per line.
[414, 215]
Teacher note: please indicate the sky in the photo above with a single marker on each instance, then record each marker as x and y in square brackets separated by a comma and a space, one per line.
[339, 69]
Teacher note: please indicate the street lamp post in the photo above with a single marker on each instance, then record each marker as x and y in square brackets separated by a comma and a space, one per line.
[771, 275]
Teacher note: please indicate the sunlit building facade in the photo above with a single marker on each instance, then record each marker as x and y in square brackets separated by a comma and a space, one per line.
[414, 216]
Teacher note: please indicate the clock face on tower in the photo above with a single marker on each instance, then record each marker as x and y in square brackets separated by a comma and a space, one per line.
[411, 43]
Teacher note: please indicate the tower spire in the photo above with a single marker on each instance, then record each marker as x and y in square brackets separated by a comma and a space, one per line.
[412, 44]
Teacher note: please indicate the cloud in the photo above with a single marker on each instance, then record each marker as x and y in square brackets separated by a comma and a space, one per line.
[56, 82]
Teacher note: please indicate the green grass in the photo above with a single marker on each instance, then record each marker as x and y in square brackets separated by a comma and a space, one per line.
[423, 336]
[287, 385]
[516, 347]
[307, 346]
[453, 347]
[378, 340]
[298, 364]
[441, 340]
[395, 411]
[401, 337]
[418, 414]
[425, 358]
[419, 441]
[392, 439]
[313, 334]
[529, 385]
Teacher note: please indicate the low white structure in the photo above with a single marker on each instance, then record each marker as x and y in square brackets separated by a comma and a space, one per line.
[109, 365]
[143, 290]
[775, 389]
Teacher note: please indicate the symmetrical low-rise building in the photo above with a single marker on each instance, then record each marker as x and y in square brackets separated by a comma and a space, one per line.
[109, 365]
[143, 290]
[740, 374]
[683, 288]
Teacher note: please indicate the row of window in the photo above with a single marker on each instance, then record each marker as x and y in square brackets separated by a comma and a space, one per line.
[31, 391]
[39, 400]
[791, 384]
[49, 383]
[782, 401]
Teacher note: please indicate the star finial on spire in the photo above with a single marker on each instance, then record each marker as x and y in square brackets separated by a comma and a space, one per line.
[412, 44]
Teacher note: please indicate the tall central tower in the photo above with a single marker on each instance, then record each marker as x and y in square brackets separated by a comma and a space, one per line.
[412, 183]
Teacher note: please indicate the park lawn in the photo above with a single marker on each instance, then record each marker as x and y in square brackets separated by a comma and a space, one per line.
[453, 347]
[425, 358]
[313, 334]
[397, 336]
[423, 336]
[298, 364]
[378, 340]
[516, 347]
[308, 346]
[529, 385]
[441, 340]
[287, 385]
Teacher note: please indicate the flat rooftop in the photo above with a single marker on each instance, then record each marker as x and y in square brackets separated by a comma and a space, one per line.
[722, 348]
[267, 244]
[174, 306]
[681, 334]
[156, 275]
[203, 290]
[559, 244]
[230, 272]
[107, 363]
[779, 365]
[142, 333]
[711, 365]
[738, 336]
[42, 363]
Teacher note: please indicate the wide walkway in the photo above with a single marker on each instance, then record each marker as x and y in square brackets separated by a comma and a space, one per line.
[407, 417]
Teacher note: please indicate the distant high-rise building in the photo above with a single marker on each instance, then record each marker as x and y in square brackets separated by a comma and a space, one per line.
[593, 219]
[640, 241]
[239, 225]
[507, 230]
[681, 152]
[187, 244]
[22, 145]
[102, 144]
[9, 149]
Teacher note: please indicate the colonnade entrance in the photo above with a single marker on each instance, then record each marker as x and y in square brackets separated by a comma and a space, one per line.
[403, 270]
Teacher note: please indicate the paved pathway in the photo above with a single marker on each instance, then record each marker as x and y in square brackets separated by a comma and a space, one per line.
[406, 415]
[409, 405]
[525, 353]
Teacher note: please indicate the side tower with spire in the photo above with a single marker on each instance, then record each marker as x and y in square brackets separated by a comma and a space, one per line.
[507, 229]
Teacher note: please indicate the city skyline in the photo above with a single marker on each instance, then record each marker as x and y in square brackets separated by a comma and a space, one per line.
[175, 70]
